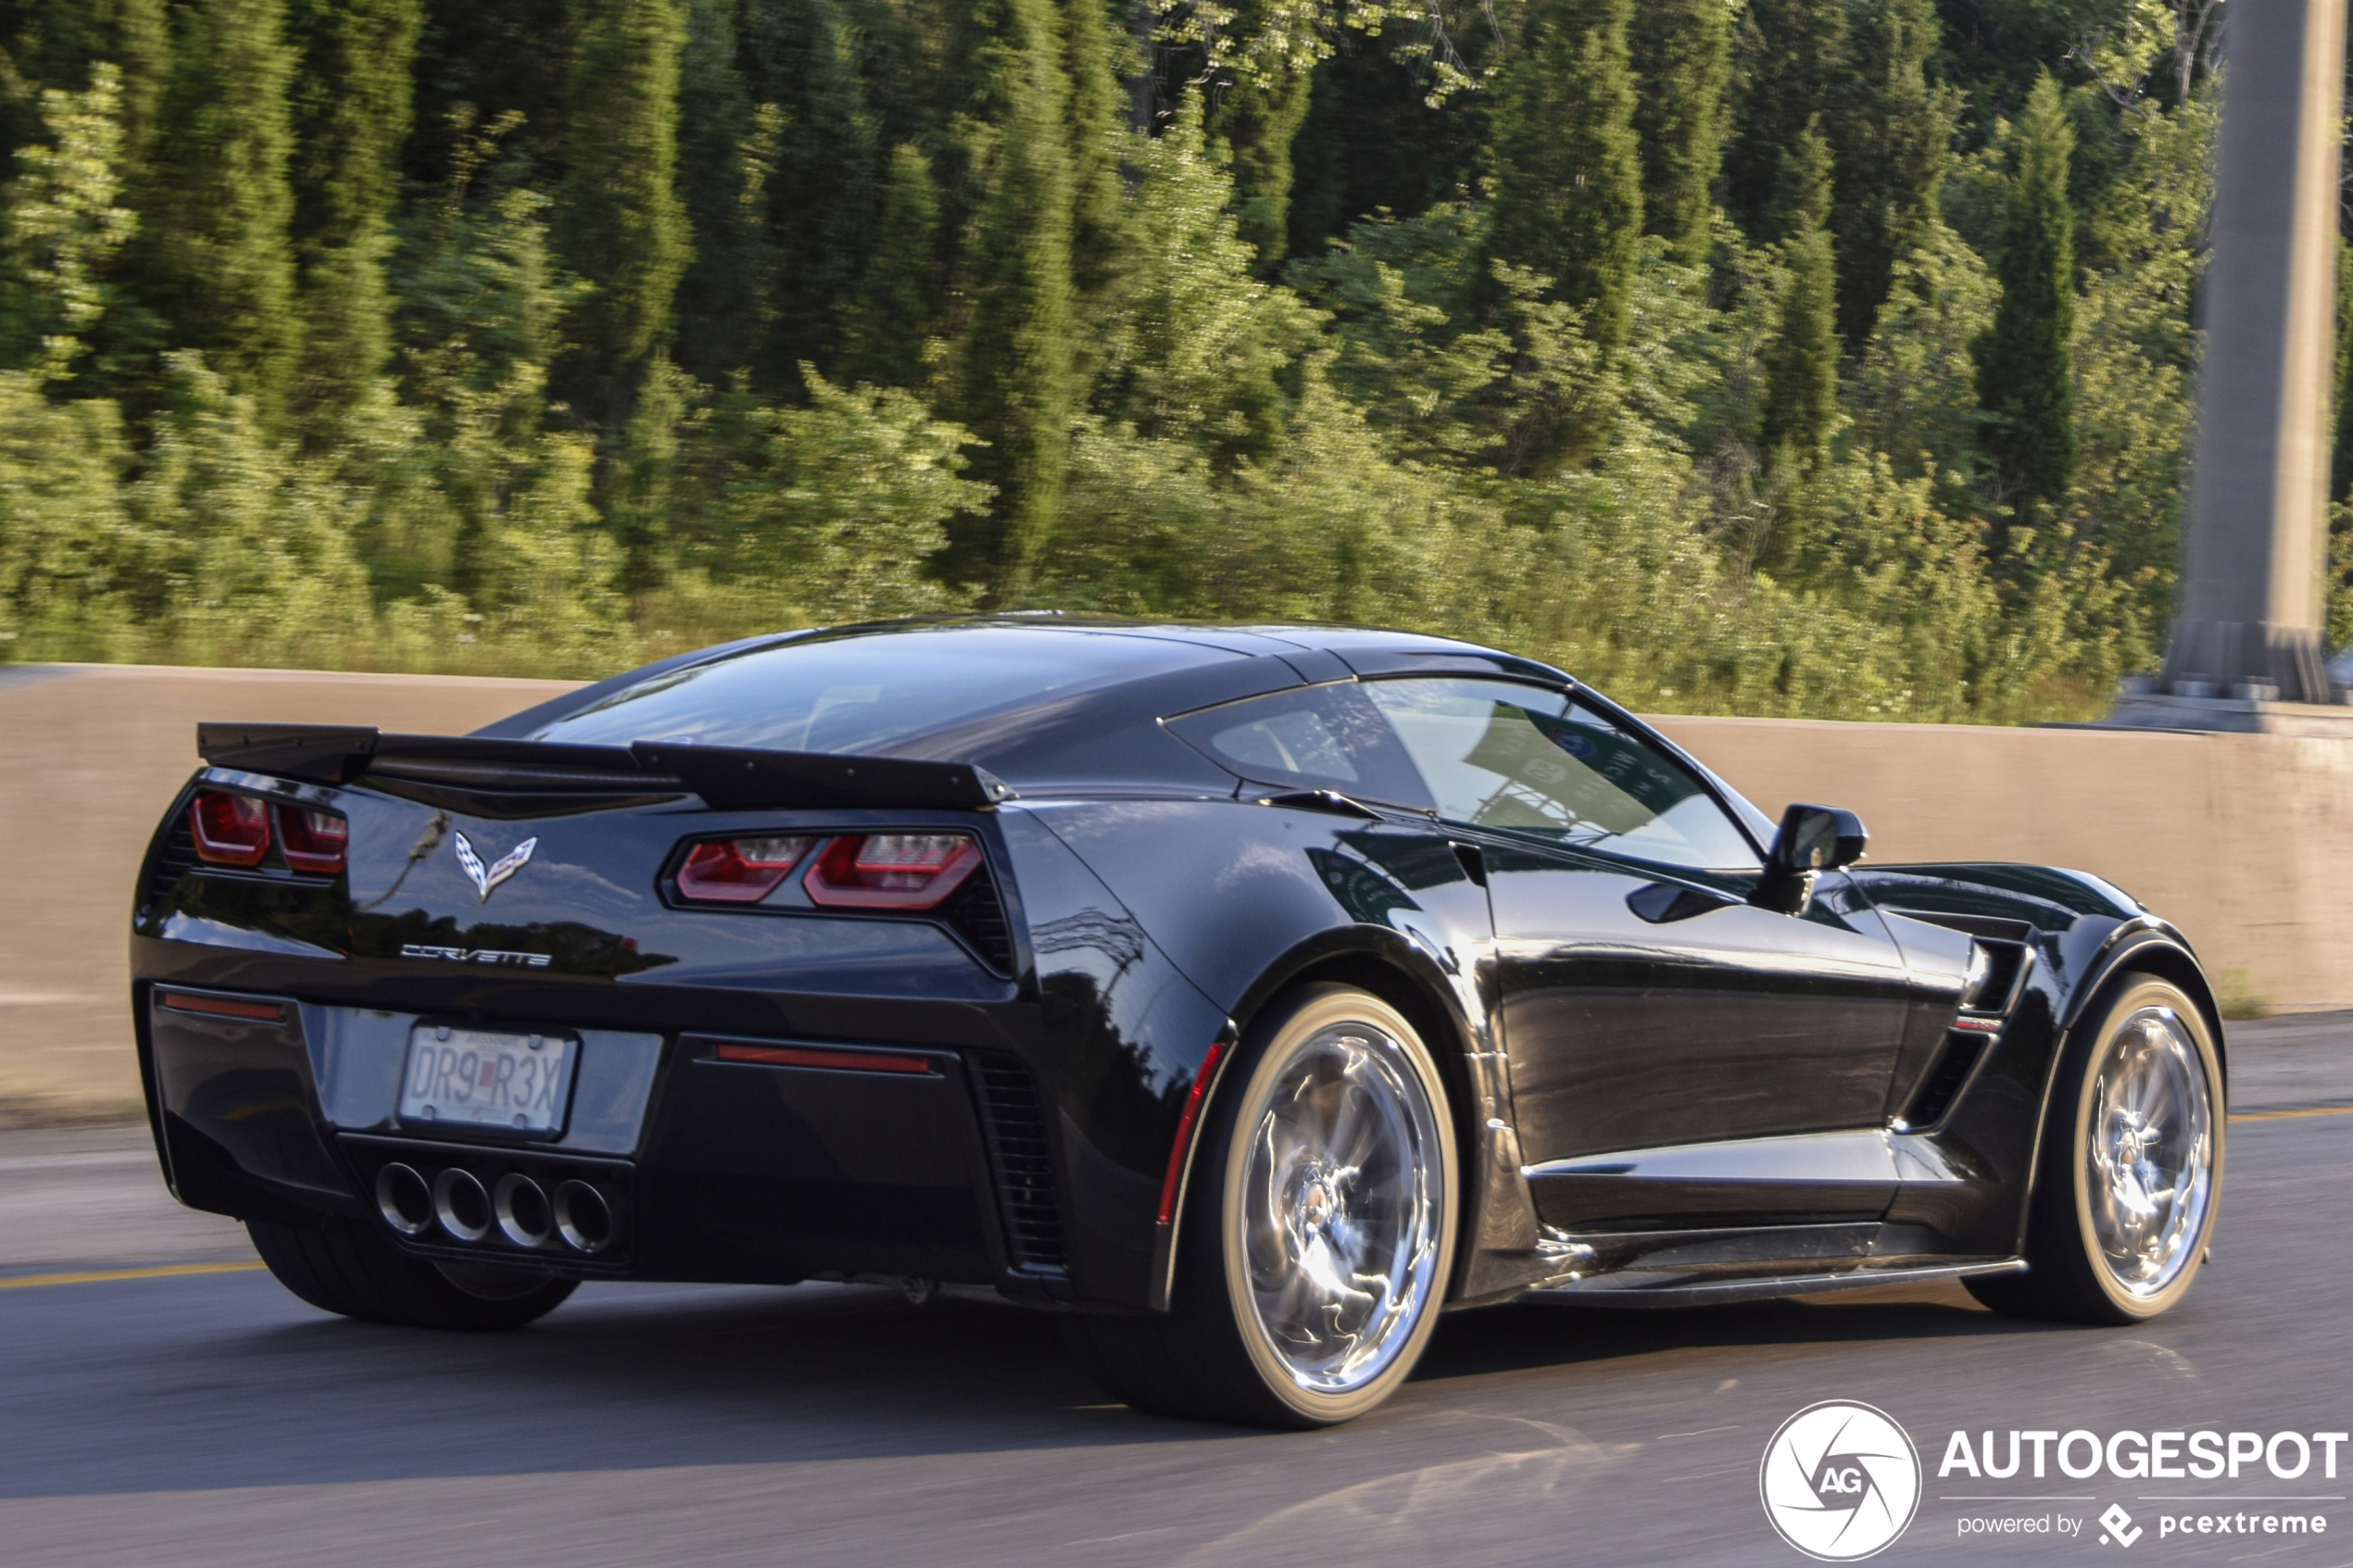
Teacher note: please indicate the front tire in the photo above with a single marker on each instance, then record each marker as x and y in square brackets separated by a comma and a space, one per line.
[2130, 1170]
[347, 1267]
[1318, 1234]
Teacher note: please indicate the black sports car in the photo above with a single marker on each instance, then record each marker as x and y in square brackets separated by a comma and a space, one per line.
[1242, 994]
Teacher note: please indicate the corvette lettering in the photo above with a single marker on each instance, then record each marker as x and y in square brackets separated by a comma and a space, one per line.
[476, 955]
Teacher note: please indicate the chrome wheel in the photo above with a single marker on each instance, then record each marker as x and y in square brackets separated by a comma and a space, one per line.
[1342, 1205]
[2148, 1155]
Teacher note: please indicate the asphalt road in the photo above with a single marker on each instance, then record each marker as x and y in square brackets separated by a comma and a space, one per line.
[192, 1418]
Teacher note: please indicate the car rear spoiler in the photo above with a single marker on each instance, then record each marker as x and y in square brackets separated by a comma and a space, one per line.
[727, 778]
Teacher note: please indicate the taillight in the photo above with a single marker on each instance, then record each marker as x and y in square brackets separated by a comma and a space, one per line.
[892, 870]
[314, 842]
[738, 870]
[231, 830]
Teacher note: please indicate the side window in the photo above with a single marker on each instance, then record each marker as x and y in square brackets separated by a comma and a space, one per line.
[1314, 737]
[1496, 755]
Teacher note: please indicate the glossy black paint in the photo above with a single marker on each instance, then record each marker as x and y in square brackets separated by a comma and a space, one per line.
[1660, 1081]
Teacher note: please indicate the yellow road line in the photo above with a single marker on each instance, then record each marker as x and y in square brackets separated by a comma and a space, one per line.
[2292, 1115]
[99, 1276]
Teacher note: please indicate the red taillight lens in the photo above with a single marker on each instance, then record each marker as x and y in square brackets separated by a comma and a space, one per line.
[738, 870]
[313, 841]
[892, 870]
[231, 829]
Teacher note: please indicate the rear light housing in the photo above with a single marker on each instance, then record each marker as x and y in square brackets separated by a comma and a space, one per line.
[738, 870]
[316, 843]
[231, 830]
[891, 870]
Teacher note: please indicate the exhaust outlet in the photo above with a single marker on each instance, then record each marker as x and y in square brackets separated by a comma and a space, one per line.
[525, 1216]
[403, 1200]
[461, 1205]
[583, 1218]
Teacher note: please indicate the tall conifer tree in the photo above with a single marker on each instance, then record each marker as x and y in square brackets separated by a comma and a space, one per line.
[1014, 359]
[1801, 366]
[351, 109]
[619, 223]
[1682, 55]
[820, 202]
[725, 163]
[1792, 64]
[213, 258]
[1097, 119]
[1258, 116]
[1565, 166]
[1893, 135]
[56, 43]
[2026, 364]
[897, 306]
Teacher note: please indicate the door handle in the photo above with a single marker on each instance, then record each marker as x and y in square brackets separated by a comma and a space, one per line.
[1662, 902]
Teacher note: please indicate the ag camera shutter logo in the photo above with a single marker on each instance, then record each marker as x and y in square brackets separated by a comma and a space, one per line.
[1840, 1480]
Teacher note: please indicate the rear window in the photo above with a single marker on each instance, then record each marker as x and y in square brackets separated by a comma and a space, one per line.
[862, 693]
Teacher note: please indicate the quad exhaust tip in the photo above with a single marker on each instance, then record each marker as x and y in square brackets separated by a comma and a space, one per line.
[583, 1218]
[404, 1199]
[462, 1205]
[521, 1211]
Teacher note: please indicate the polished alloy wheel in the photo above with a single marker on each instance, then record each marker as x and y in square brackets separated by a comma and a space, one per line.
[2149, 1151]
[1343, 1200]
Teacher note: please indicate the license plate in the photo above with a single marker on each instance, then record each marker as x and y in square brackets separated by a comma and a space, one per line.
[479, 1078]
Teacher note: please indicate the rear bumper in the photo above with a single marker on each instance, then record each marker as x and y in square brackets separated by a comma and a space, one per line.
[710, 1169]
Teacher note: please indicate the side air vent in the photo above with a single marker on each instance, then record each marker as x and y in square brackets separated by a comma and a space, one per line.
[975, 913]
[1942, 1085]
[175, 859]
[1015, 1120]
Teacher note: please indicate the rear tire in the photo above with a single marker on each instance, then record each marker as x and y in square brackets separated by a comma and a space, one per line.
[347, 1267]
[1317, 1235]
[2131, 1173]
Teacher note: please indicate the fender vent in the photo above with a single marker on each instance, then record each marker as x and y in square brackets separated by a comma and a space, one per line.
[1015, 1120]
[175, 858]
[975, 913]
[1942, 1085]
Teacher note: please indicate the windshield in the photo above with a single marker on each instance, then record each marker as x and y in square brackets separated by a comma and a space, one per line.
[860, 694]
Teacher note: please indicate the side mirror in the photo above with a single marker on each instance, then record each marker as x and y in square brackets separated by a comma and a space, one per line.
[1812, 840]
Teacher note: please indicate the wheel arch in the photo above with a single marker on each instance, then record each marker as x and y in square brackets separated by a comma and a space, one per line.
[1388, 965]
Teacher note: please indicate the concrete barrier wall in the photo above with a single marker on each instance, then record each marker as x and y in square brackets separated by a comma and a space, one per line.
[2246, 841]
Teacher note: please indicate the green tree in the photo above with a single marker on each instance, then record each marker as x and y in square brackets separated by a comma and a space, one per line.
[2341, 384]
[214, 257]
[1258, 115]
[821, 203]
[1682, 55]
[1800, 367]
[726, 157]
[2026, 365]
[1098, 121]
[619, 223]
[1567, 200]
[1891, 147]
[896, 307]
[1792, 64]
[1015, 361]
[64, 225]
[350, 109]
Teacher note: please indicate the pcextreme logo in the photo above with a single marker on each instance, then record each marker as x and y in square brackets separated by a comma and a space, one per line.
[1840, 1480]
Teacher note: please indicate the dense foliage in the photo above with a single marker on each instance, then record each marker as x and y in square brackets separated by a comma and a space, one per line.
[1792, 357]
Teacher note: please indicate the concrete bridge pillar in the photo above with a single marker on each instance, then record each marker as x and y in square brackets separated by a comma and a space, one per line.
[2249, 649]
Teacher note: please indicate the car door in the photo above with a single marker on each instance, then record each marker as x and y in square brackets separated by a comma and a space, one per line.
[1678, 1054]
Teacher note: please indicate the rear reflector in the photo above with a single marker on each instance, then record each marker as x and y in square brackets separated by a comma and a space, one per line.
[1176, 1178]
[892, 870]
[225, 1007]
[738, 870]
[840, 1062]
[231, 830]
[314, 842]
